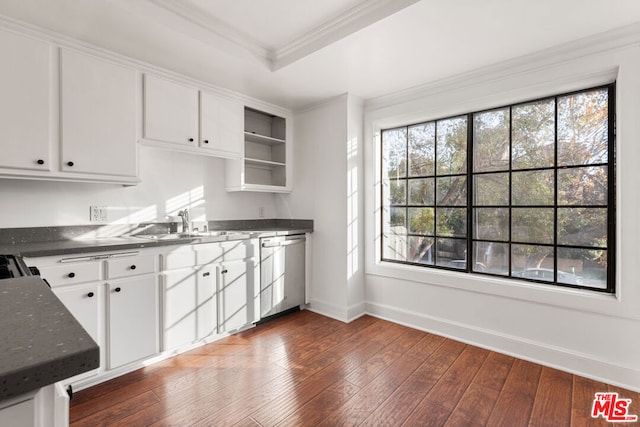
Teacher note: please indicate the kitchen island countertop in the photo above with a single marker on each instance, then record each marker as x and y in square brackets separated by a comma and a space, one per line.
[41, 342]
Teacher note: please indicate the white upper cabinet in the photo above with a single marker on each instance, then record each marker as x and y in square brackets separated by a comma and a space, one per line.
[170, 112]
[25, 103]
[183, 118]
[98, 116]
[221, 125]
[65, 115]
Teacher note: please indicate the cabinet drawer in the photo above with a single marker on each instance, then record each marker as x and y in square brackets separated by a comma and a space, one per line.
[130, 266]
[220, 252]
[179, 258]
[71, 273]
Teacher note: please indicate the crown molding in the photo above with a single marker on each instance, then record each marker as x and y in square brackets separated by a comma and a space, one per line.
[620, 38]
[189, 20]
[358, 17]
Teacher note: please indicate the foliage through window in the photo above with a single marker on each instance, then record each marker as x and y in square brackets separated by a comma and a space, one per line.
[524, 191]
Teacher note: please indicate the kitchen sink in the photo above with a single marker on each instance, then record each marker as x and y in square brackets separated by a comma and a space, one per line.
[171, 236]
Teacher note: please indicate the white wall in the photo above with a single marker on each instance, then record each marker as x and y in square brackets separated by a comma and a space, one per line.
[327, 168]
[591, 334]
[170, 181]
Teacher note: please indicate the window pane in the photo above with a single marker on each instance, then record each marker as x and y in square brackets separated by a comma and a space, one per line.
[450, 250]
[421, 221]
[590, 266]
[395, 247]
[532, 262]
[583, 186]
[397, 192]
[421, 250]
[582, 227]
[491, 141]
[451, 222]
[491, 189]
[422, 144]
[533, 188]
[394, 153]
[583, 128]
[491, 224]
[493, 256]
[533, 135]
[532, 225]
[452, 191]
[421, 191]
[452, 146]
[394, 233]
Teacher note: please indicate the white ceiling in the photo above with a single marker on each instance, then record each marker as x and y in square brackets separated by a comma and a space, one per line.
[297, 52]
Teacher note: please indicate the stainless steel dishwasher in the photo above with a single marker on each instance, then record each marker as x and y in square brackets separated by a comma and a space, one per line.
[282, 273]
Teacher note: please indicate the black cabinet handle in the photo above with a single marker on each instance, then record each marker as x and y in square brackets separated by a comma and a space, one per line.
[71, 275]
[190, 139]
[206, 274]
[40, 162]
[90, 294]
[206, 141]
[133, 267]
[69, 164]
[117, 289]
[225, 271]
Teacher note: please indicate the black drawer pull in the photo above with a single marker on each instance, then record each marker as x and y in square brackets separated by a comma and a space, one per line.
[40, 162]
[225, 271]
[117, 289]
[190, 139]
[71, 275]
[69, 164]
[133, 267]
[206, 274]
[206, 141]
[90, 294]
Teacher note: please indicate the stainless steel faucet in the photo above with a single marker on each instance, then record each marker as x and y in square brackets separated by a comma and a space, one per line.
[186, 224]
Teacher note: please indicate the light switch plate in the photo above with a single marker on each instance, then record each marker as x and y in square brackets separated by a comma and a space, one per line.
[97, 213]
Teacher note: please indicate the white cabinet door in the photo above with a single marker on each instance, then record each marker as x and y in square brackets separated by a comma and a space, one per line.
[207, 316]
[180, 303]
[221, 125]
[83, 302]
[22, 414]
[237, 295]
[98, 116]
[132, 329]
[170, 112]
[24, 103]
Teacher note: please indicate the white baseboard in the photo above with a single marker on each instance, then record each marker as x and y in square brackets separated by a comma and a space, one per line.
[343, 314]
[554, 357]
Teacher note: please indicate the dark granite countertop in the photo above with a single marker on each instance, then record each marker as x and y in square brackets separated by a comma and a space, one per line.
[50, 241]
[40, 341]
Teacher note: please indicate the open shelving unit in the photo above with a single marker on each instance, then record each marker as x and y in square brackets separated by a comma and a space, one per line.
[264, 163]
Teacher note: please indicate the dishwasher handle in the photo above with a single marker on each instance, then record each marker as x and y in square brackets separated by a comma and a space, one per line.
[276, 243]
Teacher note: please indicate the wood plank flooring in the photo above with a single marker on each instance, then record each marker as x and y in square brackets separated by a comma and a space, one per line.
[305, 369]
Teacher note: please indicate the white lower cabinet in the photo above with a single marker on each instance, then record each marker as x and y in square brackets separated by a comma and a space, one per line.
[236, 285]
[207, 302]
[180, 319]
[19, 414]
[132, 327]
[190, 305]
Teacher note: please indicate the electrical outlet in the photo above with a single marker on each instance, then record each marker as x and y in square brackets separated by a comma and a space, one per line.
[261, 212]
[97, 213]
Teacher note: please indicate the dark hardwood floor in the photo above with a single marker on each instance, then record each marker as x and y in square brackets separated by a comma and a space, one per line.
[308, 370]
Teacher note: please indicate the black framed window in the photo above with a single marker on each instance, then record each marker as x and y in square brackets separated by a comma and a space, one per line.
[524, 191]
